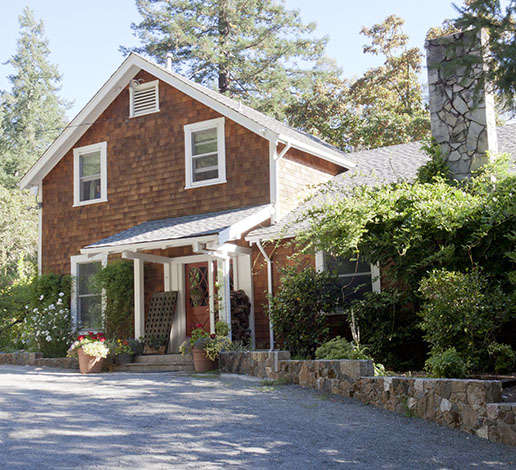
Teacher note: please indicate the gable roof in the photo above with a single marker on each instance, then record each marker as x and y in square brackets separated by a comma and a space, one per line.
[374, 167]
[186, 227]
[253, 120]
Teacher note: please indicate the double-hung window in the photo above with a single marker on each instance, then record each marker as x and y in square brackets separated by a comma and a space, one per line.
[355, 277]
[90, 174]
[86, 300]
[205, 155]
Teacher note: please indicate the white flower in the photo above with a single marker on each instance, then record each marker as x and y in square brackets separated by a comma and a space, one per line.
[59, 301]
[48, 338]
[61, 294]
[51, 307]
[26, 307]
[35, 310]
[41, 297]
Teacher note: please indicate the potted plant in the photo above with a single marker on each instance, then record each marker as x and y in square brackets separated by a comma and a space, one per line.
[91, 351]
[155, 344]
[123, 352]
[206, 348]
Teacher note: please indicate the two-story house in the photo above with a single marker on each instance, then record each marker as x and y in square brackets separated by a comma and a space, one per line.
[172, 175]
[183, 180]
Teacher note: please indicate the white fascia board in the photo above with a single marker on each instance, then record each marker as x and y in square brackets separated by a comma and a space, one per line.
[235, 231]
[158, 245]
[326, 154]
[276, 235]
[80, 123]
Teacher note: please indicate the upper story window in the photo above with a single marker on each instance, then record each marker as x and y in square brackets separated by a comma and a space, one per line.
[90, 174]
[355, 276]
[205, 154]
[143, 98]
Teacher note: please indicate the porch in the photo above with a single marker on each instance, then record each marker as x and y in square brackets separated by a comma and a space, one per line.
[198, 256]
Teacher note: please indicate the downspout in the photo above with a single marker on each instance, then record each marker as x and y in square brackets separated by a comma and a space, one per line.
[269, 291]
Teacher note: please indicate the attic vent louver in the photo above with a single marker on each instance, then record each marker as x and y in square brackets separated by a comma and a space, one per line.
[143, 99]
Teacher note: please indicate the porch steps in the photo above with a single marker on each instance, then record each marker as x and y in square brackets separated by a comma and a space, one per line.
[158, 363]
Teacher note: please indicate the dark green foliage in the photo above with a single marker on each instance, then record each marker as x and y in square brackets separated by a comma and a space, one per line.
[498, 18]
[447, 364]
[247, 49]
[503, 357]
[388, 325]
[340, 348]
[297, 309]
[464, 311]
[46, 288]
[117, 280]
[32, 113]
[436, 168]
[24, 296]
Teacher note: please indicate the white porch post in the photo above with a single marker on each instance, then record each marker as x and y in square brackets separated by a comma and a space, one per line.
[139, 300]
[227, 292]
[211, 287]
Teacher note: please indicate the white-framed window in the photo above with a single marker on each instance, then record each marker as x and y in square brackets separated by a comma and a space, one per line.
[90, 174]
[205, 153]
[355, 276]
[143, 98]
[87, 304]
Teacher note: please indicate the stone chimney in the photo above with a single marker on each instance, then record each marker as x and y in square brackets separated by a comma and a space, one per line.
[461, 108]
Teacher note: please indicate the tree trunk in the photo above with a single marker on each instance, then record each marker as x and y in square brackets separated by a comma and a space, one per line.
[223, 27]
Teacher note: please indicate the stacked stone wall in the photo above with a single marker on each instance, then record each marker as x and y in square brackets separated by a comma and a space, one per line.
[473, 406]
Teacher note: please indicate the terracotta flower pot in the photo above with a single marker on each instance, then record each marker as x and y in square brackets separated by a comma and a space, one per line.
[89, 364]
[201, 362]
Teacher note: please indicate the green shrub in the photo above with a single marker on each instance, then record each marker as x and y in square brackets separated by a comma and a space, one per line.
[221, 328]
[388, 325]
[117, 281]
[502, 356]
[297, 310]
[463, 311]
[447, 364]
[336, 348]
[46, 288]
[48, 329]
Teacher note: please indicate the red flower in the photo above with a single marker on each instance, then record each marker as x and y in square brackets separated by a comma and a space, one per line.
[198, 325]
[80, 337]
[213, 335]
[102, 340]
[125, 342]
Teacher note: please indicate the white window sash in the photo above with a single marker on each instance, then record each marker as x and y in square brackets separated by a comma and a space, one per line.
[189, 129]
[77, 178]
[75, 261]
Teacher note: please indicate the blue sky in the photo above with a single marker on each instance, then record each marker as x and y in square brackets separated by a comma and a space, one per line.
[85, 36]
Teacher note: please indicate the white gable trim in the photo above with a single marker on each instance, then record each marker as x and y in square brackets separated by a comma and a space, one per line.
[112, 88]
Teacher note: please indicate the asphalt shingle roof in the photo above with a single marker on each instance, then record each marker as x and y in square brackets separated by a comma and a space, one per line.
[178, 227]
[373, 167]
[267, 122]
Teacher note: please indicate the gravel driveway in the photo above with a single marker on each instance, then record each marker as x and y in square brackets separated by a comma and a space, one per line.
[56, 419]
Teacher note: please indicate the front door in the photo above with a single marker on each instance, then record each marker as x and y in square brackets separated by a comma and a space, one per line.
[197, 296]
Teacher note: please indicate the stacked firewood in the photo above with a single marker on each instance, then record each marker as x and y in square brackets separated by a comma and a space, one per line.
[240, 310]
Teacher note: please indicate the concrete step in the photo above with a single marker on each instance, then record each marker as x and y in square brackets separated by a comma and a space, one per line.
[163, 359]
[139, 367]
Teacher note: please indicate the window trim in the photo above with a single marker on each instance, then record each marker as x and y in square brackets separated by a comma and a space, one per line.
[77, 153]
[74, 269]
[142, 86]
[217, 123]
[375, 271]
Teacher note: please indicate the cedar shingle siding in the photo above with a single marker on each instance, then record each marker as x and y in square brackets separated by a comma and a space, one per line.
[146, 175]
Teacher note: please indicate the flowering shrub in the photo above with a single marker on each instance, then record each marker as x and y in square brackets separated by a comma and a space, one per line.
[48, 328]
[92, 344]
[197, 334]
[120, 346]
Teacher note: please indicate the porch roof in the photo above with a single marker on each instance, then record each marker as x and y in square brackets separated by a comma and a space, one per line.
[200, 226]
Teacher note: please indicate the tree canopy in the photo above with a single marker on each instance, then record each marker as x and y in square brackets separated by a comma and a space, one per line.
[254, 50]
[383, 107]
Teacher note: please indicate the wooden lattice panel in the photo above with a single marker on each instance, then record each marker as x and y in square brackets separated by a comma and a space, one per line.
[161, 313]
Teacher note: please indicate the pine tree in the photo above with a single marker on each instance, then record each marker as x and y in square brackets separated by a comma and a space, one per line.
[33, 114]
[253, 50]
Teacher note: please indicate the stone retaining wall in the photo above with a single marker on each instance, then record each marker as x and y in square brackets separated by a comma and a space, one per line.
[473, 406]
[24, 358]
